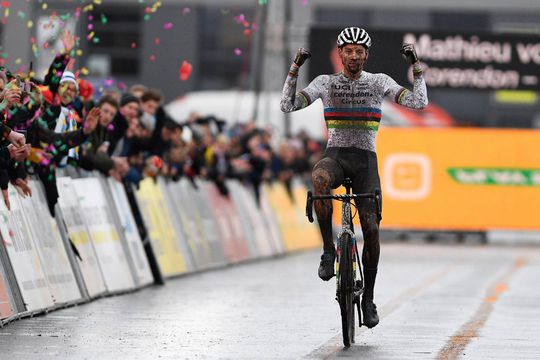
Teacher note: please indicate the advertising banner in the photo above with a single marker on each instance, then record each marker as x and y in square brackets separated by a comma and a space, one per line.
[99, 222]
[7, 308]
[23, 255]
[229, 228]
[73, 218]
[191, 222]
[161, 232]
[269, 217]
[180, 234]
[251, 214]
[129, 228]
[452, 59]
[50, 247]
[459, 179]
[205, 217]
[297, 232]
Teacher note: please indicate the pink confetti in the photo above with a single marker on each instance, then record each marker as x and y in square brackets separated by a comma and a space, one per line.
[157, 41]
[237, 52]
[185, 70]
[304, 2]
[109, 82]
[152, 58]
[240, 18]
[133, 45]
[90, 26]
[186, 11]
[168, 26]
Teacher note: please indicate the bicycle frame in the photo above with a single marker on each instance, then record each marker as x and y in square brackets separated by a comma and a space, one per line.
[347, 226]
[349, 296]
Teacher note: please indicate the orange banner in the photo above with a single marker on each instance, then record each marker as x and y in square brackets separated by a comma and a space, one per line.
[459, 179]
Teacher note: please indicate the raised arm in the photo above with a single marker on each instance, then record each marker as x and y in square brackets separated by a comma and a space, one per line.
[290, 100]
[60, 62]
[417, 98]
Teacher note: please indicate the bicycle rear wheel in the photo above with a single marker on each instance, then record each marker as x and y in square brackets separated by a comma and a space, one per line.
[346, 289]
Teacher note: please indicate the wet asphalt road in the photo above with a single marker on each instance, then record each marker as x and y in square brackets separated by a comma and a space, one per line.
[435, 302]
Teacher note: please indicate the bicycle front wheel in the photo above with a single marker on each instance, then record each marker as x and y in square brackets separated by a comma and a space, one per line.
[346, 289]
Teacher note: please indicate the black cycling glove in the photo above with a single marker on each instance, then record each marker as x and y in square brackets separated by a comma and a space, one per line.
[301, 56]
[407, 50]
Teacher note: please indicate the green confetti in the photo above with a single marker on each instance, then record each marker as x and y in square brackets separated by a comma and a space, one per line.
[95, 40]
[103, 19]
[146, 17]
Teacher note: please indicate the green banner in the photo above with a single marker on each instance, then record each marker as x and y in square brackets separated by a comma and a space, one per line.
[496, 176]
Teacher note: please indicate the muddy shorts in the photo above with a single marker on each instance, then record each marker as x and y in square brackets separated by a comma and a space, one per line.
[358, 165]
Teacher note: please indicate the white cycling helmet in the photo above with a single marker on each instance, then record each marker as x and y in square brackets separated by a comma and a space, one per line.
[354, 35]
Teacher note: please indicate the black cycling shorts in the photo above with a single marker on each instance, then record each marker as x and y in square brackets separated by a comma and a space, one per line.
[358, 165]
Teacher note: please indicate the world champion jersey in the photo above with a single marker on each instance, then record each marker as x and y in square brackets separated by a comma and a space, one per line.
[352, 108]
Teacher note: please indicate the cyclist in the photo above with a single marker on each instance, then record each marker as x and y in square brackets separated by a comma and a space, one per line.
[352, 102]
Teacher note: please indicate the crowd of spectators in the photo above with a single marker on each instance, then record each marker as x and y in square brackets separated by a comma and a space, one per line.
[57, 123]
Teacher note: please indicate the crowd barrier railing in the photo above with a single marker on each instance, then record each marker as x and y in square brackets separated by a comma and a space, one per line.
[108, 237]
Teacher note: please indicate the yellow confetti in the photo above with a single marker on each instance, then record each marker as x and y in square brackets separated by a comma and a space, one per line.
[85, 71]
[79, 52]
[44, 6]
[18, 61]
[30, 24]
[6, 12]
[89, 7]
[97, 2]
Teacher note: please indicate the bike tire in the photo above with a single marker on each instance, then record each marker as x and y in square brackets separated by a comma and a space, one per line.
[346, 289]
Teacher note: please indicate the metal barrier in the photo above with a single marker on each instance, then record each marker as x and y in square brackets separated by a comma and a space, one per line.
[104, 236]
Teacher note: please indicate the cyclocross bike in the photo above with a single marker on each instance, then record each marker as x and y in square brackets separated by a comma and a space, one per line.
[349, 276]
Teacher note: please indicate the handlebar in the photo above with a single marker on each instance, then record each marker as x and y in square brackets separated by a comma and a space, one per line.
[340, 197]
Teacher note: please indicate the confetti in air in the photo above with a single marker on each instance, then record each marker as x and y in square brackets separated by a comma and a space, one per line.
[185, 70]
[168, 26]
[237, 52]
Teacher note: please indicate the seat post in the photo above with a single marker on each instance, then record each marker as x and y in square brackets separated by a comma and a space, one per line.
[347, 182]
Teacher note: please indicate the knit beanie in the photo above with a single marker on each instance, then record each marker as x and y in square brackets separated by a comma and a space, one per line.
[68, 76]
[127, 98]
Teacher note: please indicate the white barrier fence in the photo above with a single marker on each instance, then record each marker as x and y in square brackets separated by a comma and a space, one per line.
[95, 246]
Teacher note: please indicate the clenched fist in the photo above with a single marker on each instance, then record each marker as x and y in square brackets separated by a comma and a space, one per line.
[409, 53]
[301, 56]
